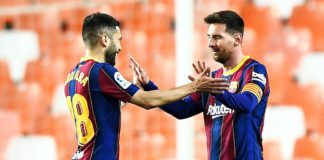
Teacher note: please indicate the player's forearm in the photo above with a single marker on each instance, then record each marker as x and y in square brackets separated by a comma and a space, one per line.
[159, 98]
[244, 102]
[180, 109]
[156, 98]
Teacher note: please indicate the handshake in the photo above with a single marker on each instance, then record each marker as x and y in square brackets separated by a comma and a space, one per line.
[201, 83]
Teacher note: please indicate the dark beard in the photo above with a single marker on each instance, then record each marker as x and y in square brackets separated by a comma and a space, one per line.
[226, 55]
[110, 54]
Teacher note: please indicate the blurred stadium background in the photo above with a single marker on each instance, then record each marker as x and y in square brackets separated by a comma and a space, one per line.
[40, 41]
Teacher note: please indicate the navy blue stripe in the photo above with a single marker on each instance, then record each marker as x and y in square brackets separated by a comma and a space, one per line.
[216, 138]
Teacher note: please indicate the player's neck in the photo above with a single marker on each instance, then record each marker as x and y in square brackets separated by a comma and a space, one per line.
[235, 60]
[95, 54]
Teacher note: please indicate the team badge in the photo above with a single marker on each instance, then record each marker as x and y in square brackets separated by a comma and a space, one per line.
[121, 80]
[233, 87]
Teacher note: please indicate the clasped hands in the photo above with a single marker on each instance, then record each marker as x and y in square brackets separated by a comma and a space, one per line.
[201, 83]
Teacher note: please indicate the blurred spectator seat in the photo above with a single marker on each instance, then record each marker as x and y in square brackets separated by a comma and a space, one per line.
[31, 148]
[309, 69]
[17, 48]
[62, 126]
[32, 106]
[276, 63]
[284, 8]
[58, 104]
[47, 72]
[284, 124]
[7, 88]
[310, 147]
[62, 129]
[10, 3]
[272, 150]
[10, 127]
[264, 21]
[310, 15]
[309, 99]
[4, 73]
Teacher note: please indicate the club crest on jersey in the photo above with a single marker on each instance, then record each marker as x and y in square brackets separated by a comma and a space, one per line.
[121, 80]
[218, 110]
[233, 87]
[259, 77]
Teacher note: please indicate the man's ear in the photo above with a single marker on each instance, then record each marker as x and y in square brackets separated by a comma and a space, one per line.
[105, 40]
[238, 39]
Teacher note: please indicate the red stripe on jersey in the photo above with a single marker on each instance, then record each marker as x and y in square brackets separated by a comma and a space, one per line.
[196, 97]
[66, 89]
[227, 138]
[248, 75]
[111, 87]
[208, 119]
[85, 91]
[208, 130]
[238, 74]
[227, 150]
[261, 130]
[87, 150]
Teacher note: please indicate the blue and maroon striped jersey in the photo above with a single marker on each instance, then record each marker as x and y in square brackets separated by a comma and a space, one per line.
[233, 120]
[94, 91]
[234, 132]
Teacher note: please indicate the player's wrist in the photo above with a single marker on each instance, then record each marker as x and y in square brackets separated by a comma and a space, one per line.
[150, 86]
[193, 87]
[221, 96]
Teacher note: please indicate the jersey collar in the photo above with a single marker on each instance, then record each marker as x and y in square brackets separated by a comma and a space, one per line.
[236, 67]
[85, 58]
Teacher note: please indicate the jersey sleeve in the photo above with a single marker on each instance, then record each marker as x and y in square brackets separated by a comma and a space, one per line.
[185, 108]
[113, 84]
[256, 81]
[181, 109]
[254, 84]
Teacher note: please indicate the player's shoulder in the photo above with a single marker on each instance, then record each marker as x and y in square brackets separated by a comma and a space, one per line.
[255, 64]
[106, 67]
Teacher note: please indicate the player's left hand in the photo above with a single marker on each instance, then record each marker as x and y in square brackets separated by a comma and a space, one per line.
[200, 68]
[139, 74]
[204, 83]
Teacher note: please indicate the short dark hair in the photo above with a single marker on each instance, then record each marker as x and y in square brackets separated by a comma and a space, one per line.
[95, 24]
[234, 23]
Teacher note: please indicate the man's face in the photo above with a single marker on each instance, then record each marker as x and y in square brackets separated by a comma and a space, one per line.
[220, 42]
[114, 48]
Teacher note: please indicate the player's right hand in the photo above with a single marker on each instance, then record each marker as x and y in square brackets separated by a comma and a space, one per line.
[199, 68]
[204, 83]
[140, 77]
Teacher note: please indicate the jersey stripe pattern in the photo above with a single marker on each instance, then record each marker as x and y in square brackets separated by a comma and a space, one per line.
[236, 134]
[94, 91]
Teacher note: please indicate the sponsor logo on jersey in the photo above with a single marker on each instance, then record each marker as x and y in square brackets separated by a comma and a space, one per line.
[259, 77]
[121, 80]
[233, 87]
[218, 110]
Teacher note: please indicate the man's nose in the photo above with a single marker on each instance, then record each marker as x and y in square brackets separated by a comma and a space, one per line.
[211, 43]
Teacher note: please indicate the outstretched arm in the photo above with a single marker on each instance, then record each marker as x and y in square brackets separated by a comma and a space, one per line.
[156, 98]
[185, 108]
[180, 109]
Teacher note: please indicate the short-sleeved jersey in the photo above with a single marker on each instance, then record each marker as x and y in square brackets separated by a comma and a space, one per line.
[233, 133]
[93, 92]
